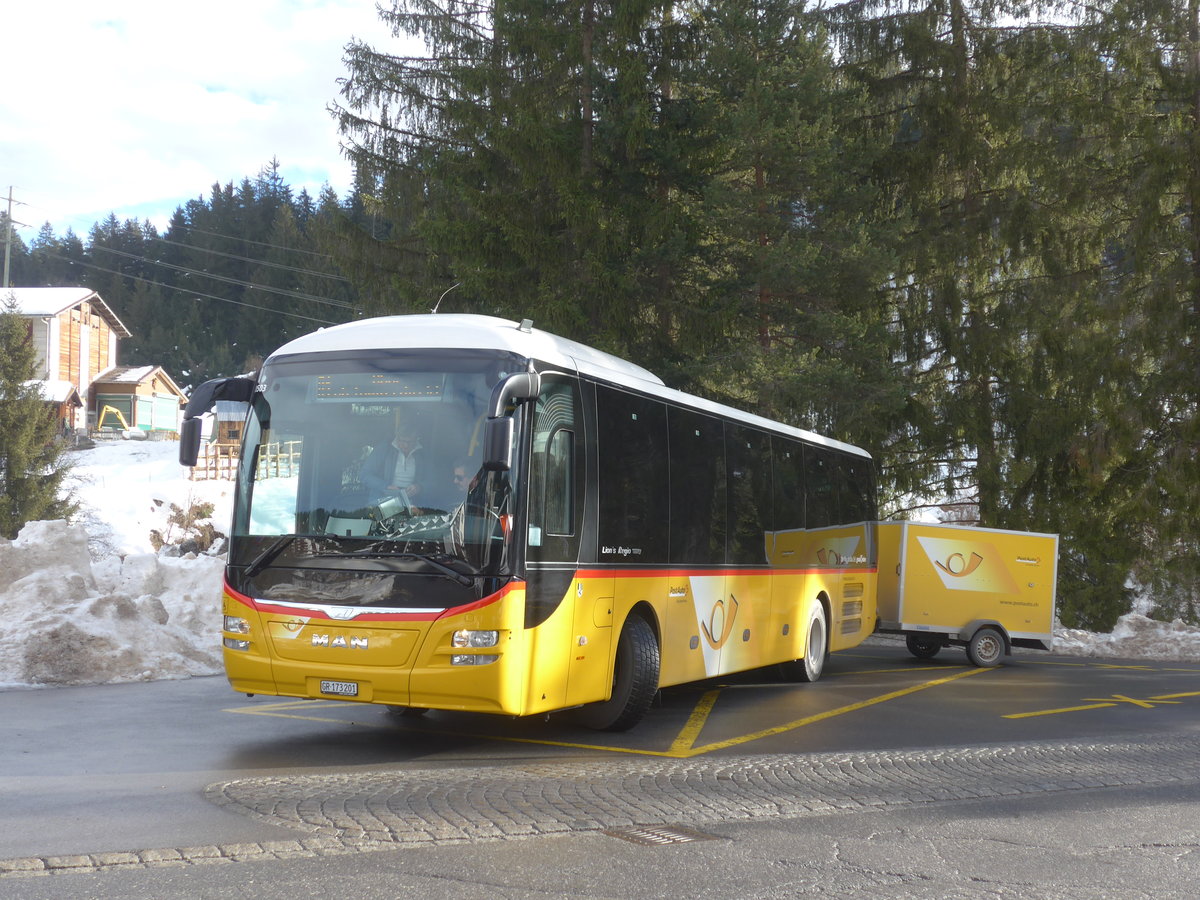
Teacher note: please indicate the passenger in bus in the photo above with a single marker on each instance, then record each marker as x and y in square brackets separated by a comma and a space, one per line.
[462, 478]
[450, 491]
[396, 467]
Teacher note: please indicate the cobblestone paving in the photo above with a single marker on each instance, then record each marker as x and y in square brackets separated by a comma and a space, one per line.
[366, 810]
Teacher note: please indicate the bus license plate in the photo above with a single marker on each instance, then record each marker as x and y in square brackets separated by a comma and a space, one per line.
[341, 688]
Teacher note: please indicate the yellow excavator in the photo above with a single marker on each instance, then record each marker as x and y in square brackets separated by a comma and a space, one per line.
[107, 411]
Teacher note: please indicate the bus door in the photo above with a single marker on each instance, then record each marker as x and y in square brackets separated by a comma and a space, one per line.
[568, 613]
[700, 612]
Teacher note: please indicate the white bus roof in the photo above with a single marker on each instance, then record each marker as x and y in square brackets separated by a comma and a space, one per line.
[473, 332]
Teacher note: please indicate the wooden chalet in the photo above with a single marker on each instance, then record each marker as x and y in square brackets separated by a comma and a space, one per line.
[75, 335]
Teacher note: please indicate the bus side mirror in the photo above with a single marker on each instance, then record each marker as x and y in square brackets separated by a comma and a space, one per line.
[498, 444]
[203, 399]
[189, 442]
[520, 387]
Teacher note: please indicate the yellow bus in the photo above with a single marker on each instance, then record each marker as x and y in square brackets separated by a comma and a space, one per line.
[478, 515]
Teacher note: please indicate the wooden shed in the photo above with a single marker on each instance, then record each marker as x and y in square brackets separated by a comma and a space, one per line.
[64, 399]
[145, 396]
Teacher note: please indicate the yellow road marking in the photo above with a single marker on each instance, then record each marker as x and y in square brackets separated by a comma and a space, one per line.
[818, 717]
[277, 710]
[687, 737]
[1121, 698]
[1107, 702]
[681, 748]
[1052, 712]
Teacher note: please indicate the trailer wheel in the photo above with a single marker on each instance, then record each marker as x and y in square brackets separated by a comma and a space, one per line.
[922, 647]
[635, 680]
[986, 647]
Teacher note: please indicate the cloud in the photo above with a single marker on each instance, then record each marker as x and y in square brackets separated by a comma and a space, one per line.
[130, 104]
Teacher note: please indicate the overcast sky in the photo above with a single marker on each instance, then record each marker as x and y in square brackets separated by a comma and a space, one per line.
[136, 106]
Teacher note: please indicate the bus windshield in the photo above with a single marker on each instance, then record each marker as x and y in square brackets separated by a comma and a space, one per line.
[371, 461]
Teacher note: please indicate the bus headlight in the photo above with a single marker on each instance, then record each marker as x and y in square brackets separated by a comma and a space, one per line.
[467, 638]
[236, 625]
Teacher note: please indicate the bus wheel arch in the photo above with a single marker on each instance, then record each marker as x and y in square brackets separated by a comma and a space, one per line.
[816, 643]
[635, 677]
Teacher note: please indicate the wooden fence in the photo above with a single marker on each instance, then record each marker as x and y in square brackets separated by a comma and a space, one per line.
[278, 460]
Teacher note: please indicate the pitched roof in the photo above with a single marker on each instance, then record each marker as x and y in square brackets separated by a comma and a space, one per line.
[138, 375]
[57, 391]
[50, 301]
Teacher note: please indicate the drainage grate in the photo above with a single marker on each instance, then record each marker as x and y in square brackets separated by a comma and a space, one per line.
[654, 836]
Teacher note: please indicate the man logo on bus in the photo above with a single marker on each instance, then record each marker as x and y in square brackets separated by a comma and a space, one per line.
[718, 622]
[957, 566]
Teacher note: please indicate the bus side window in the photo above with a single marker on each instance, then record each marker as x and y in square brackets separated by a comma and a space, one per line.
[788, 457]
[555, 478]
[631, 436]
[748, 453]
[698, 506]
[820, 489]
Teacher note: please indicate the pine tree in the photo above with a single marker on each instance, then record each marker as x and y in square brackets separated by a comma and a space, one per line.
[1003, 168]
[537, 159]
[793, 216]
[32, 463]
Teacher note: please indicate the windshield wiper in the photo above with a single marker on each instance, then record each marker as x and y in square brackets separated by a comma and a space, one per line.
[268, 555]
[464, 580]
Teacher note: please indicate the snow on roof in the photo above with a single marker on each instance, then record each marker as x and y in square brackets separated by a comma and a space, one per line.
[50, 301]
[56, 391]
[137, 375]
[126, 375]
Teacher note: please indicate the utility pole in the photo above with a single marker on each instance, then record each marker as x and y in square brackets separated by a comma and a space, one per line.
[8, 238]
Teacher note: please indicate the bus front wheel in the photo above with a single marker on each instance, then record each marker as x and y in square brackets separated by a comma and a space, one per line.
[635, 680]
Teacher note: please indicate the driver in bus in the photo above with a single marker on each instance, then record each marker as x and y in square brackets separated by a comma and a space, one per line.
[396, 467]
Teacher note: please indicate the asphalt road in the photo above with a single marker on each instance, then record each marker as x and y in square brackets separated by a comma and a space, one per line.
[1047, 777]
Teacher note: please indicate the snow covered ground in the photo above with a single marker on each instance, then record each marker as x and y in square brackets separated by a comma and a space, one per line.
[91, 602]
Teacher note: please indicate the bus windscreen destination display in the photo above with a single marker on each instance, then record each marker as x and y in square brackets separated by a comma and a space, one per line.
[354, 386]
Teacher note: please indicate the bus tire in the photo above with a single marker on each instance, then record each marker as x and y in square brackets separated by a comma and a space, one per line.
[986, 647]
[921, 646]
[407, 712]
[816, 648]
[635, 680]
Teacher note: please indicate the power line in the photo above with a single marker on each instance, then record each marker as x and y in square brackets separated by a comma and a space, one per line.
[230, 237]
[257, 262]
[283, 292]
[191, 293]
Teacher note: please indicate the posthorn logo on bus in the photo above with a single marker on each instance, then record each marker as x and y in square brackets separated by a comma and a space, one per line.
[325, 640]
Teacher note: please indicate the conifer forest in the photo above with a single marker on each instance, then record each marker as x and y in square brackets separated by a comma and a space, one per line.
[962, 234]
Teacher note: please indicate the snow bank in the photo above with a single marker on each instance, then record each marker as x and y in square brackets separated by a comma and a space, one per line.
[1135, 636]
[65, 620]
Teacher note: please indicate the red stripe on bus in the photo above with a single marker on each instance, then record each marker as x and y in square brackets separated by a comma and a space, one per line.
[700, 573]
[366, 616]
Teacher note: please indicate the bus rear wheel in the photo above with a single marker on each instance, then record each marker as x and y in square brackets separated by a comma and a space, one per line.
[635, 681]
[816, 649]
